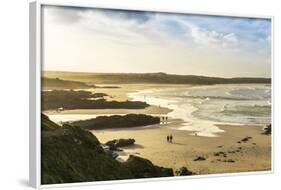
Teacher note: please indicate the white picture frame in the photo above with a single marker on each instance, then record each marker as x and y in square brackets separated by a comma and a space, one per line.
[35, 91]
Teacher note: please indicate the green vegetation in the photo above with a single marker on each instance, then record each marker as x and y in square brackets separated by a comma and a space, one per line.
[70, 99]
[157, 78]
[70, 154]
[117, 121]
[56, 83]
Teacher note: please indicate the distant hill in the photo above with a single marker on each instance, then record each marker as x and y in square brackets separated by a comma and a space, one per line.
[156, 78]
[56, 83]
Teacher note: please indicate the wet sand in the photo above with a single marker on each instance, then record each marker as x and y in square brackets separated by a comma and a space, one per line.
[149, 110]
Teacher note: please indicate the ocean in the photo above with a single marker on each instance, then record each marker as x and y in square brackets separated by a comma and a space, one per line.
[202, 108]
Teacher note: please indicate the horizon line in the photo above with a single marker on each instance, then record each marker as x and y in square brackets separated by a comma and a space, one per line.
[156, 73]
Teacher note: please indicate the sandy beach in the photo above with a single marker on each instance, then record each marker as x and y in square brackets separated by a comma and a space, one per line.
[253, 155]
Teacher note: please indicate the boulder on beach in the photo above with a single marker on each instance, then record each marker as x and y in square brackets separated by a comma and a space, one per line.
[117, 143]
[183, 171]
[199, 158]
[246, 139]
[267, 130]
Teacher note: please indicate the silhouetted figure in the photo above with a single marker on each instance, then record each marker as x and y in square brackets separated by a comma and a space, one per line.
[171, 139]
[168, 138]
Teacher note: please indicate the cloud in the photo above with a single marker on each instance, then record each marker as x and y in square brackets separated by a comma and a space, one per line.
[161, 29]
[62, 15]
[205, 37]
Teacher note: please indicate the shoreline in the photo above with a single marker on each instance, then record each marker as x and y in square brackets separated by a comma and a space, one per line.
[148, 110]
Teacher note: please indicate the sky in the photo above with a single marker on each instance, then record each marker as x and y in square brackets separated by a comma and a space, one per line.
[122, 41]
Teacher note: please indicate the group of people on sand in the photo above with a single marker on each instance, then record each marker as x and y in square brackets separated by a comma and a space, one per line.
[170, 138]
[164, 118]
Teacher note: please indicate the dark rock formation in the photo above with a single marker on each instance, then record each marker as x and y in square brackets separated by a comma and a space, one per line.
[117, 143]
[117, 121]
[71, 99]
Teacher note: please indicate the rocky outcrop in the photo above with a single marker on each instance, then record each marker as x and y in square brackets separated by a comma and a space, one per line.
[117, 143]
[81, 99]
[117, 121]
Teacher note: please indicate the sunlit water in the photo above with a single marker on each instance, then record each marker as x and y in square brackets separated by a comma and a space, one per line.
[203, 107]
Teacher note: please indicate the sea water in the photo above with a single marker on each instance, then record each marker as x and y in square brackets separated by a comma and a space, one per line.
[203, 108]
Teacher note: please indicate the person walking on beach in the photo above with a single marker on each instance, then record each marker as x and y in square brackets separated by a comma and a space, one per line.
[171, 139]
[168, 138]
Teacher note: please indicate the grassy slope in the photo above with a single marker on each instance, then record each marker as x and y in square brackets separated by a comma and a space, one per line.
[71, 154]
[158, 78]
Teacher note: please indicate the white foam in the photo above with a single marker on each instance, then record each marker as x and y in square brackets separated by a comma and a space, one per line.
[181, 111]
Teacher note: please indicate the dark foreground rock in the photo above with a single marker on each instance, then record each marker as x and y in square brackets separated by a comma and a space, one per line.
[143, 168]
[117, 143]
[183, 171]
[71, 154]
